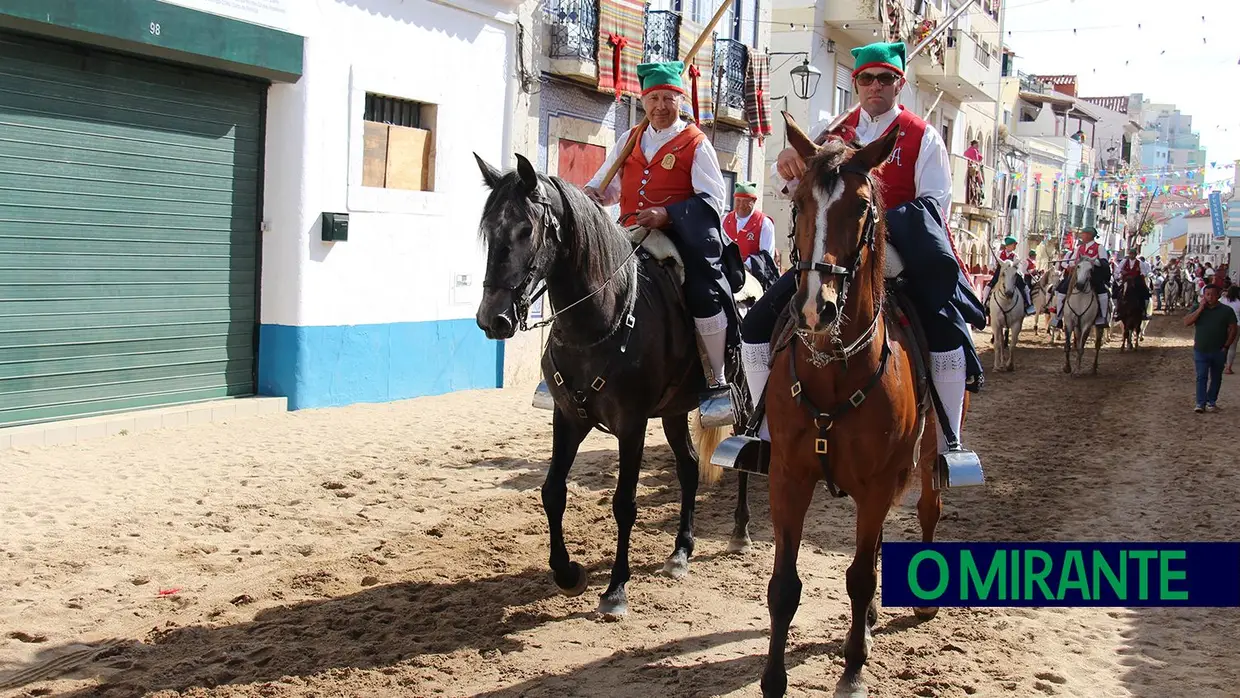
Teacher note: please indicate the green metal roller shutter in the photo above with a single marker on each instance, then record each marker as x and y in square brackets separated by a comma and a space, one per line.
[129, 197]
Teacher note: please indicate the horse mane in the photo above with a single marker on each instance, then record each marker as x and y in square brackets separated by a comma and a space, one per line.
[595, 233]
[824, 170]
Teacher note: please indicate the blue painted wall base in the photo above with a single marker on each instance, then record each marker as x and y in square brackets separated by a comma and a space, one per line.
[331, 366]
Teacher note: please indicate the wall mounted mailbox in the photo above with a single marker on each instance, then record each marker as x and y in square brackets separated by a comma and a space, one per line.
[335, 227]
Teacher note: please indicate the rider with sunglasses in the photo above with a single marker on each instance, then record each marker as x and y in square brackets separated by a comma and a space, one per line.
[916, 187]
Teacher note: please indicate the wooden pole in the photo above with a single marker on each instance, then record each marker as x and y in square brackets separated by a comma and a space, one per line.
[688, 59]
[933, 106]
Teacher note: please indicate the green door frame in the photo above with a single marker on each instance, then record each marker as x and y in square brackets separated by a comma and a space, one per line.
[163, 31]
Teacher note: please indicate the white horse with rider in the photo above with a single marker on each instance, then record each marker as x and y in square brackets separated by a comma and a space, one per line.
[1080, 315]
[1007, 315]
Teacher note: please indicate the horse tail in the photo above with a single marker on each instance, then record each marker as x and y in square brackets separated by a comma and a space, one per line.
[705, 441]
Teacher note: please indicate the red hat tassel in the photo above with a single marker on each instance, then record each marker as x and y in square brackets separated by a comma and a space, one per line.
[693, 78]
[619, 42]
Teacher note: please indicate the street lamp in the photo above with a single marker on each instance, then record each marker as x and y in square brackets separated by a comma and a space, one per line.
[805, 79]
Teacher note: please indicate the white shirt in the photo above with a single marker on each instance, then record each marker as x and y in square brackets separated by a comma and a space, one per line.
[707, 177]
[1234, 305]
[933, 174]
[1070, 258]
[766, 239]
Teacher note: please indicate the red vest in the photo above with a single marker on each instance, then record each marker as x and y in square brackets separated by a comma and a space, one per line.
[749, 238]
[1089, 250]
[1004, 255]
[1130, 269]
[897, 178]
[668, 180]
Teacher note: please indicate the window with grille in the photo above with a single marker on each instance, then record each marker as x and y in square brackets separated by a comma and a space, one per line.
[398, 150]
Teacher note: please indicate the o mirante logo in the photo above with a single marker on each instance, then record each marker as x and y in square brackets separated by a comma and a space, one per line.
[1061, 574]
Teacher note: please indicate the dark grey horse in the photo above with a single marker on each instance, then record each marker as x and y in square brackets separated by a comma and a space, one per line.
[622, 349]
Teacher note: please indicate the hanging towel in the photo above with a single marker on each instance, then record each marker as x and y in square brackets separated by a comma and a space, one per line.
[757, 95]
[700, 85]
[620, 27]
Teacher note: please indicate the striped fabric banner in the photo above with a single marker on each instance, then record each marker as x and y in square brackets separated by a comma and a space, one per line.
[704, 61]
[758, 95]
[620, 28]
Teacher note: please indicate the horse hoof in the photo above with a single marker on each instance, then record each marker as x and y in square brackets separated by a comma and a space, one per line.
[613, 609]
[926, 612]
[677, 566]
[740, 545]
[851, 689]
[579, 587]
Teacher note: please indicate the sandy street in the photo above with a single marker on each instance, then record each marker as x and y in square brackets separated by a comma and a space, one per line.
[400, 550]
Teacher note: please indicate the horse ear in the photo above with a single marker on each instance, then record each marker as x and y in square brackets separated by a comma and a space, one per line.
[877, 152]
[797, 138]
[528, 176]
[490, 175]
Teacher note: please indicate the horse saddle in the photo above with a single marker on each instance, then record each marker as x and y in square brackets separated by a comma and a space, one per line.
[659, 245]
[663, 250]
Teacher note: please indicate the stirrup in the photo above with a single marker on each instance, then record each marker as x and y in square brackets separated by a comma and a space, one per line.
[715, 407]
[542, 397]
[745, 453]
[959, 467]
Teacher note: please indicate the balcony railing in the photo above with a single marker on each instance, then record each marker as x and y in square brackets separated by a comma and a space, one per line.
[731, 57]
[662, 36]
[1029, 84]
[574, 29]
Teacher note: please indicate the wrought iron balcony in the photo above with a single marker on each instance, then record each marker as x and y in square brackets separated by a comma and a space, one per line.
[731, 59]
[573, 37]
[662, 36]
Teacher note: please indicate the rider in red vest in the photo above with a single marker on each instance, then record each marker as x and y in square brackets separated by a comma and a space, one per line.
[1023, 271]
[752, 230]
[1087, 248]
[916, 185]
[1137, 270]
[671, 181]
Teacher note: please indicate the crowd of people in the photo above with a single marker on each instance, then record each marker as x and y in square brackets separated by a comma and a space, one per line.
[1214, 319]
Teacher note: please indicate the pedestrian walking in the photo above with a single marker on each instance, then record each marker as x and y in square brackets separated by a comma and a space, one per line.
[1232, 301]
[1214, 334]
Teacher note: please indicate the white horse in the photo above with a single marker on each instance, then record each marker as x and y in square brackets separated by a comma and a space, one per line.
[1173, 287]
[1042, 294]
[1080, 313]
[1007, 315]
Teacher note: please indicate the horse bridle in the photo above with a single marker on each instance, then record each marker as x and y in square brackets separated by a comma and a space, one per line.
[543, 258]
[847, 274]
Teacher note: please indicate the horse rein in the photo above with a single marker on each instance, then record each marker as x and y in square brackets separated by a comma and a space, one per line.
[848, 274]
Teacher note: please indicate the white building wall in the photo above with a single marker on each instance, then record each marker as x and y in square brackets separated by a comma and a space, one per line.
[357, 320]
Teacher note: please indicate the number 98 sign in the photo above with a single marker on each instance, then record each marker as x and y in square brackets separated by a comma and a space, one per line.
[155, 29]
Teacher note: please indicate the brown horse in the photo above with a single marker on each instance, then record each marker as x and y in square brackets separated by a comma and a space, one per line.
[858, 422]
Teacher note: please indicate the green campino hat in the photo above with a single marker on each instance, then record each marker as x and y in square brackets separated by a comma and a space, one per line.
[882, 54]
[1009, 240]
[746, 189]
[661, 76]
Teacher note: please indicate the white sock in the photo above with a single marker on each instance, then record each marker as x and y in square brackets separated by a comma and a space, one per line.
[757, 360]
[948, 373]
[1058, 306]
[713, 331]
[1104, 308]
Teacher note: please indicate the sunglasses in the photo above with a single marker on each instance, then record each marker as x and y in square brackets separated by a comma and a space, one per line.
[884, 79]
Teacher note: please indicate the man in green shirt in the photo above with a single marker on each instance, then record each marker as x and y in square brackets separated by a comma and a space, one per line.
[1214, 331]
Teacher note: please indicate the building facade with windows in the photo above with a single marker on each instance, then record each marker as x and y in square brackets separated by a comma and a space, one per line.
[954, 84]
[569, 115]
[260, 198]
